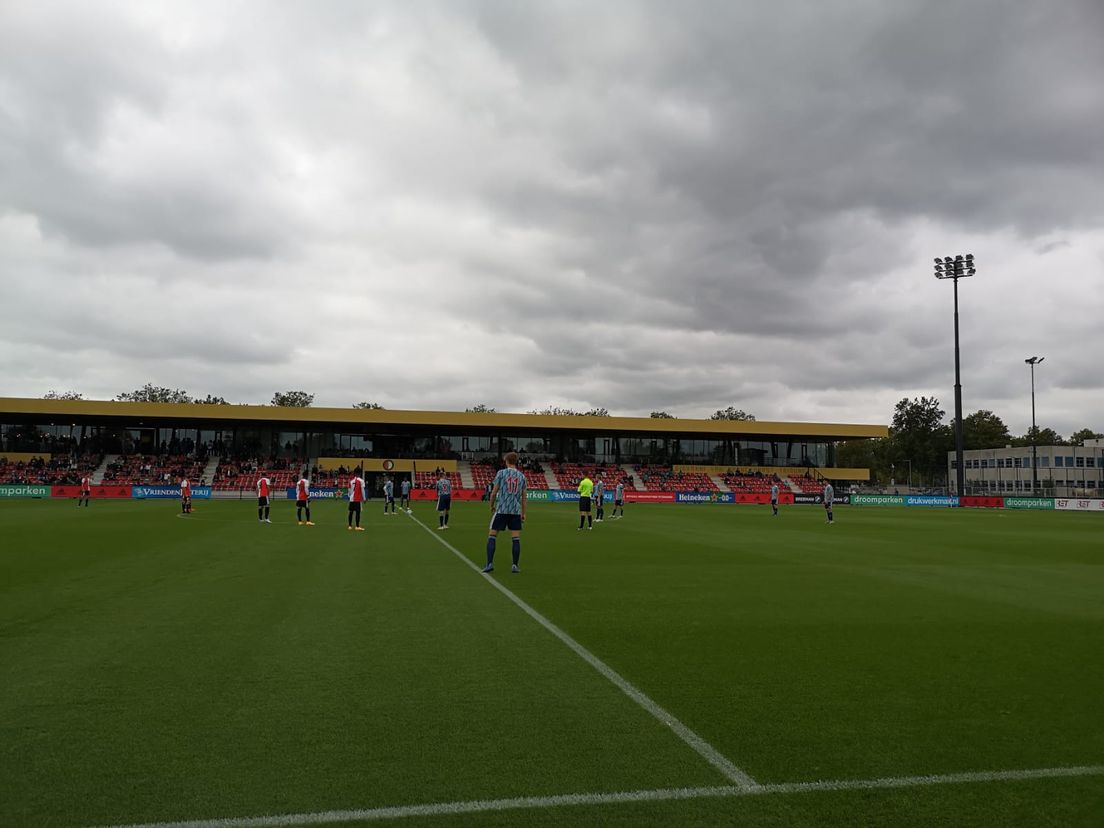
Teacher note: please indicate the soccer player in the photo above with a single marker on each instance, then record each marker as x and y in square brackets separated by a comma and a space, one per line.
[586, 486]
[389, 495]
[774, 499]
[600, 498]
[829, 496]
[444, 498]
[356, 501]
[404, 501]
[86, 492]
[185, 496]
[507, 510]
[302, 500]
[264, 489]
[619, 500]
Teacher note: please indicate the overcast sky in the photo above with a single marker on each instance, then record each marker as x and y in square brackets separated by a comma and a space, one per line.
[636, 205]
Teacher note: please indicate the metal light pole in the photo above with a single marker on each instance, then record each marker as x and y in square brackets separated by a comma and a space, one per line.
[1033, 361]
[957, 268]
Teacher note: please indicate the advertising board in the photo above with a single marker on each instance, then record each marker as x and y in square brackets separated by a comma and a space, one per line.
[165, 492]
[98, 492]
[877, 500]
[1029, 503]
[24, 490]
[704, 497]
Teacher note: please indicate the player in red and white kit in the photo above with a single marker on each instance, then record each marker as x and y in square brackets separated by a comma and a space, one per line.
[264, 489]
[185, 496]
[86, 491]
[356, 500]
[302, 501]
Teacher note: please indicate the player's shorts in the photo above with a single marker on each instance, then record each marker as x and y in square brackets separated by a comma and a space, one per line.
[354, 506]
[86, 493]
[584, 503]
[827, 504]
[618, 502]
[262, 501]
[302, 504]
[390, 498]
[444, 502]
[774, 501]
[511, 522]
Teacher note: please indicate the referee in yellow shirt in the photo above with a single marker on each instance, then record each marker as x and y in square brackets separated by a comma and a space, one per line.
[586, 486]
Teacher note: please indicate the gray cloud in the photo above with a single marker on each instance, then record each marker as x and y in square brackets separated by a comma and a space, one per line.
[436, 204]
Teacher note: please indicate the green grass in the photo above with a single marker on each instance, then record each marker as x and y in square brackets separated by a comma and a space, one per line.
[156, 668]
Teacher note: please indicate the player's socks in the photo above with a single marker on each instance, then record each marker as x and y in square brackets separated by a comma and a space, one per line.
[490, 549]
[590, 521]
[515, 551]
[440, 520]
[308, 516]
[582, 521]
[260, 513]
[266, 512]
[446, 518]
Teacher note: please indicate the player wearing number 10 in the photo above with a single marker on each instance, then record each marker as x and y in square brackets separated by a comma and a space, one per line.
[507, 510]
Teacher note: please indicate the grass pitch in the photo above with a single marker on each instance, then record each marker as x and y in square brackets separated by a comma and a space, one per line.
[156, 668]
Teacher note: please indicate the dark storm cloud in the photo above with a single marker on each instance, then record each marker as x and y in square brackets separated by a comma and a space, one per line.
[620, 204]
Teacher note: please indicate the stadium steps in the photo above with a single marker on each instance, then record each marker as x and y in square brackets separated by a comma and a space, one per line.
[101, 470]
[638, 484]
[719, 483]
[551, 478]
[467, 479]
[210, 469]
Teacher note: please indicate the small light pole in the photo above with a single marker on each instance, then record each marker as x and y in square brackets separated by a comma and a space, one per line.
[957, 268]
[1033, 361]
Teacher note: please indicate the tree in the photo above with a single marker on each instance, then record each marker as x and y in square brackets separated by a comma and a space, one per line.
[597, 412]
[62, 395]
[661, 415]
[557, 411]
[983, 430]
[212, 400]
[156, 394]
[367, 406]
[292, 399]
[731, 413]
[1039, 437]
[918, 434]
[1078, 438]
[480, 409]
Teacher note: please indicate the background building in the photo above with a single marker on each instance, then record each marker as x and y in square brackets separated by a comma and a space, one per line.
[1063, 471]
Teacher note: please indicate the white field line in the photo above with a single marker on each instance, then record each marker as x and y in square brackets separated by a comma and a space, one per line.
[696, 742]
[657, 795]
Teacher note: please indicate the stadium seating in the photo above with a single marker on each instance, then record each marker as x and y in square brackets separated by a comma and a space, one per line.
[150, 470]
[752, 483]
[427, 480]
[61, 469]
[483, 474]
[665, 479]
[808, 483]
[568, 475]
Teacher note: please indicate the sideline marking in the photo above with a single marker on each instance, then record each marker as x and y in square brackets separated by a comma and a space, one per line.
[713, 756]
[657, 795]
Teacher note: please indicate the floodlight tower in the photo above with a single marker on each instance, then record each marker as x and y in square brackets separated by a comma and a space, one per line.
[1033, 361]
[957, 268]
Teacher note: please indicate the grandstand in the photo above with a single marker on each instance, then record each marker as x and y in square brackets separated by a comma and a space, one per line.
[666, 479]
[753, 483]
[60, 469]
[568, 475]
[151, 470]
[483, 474]
[427, 480]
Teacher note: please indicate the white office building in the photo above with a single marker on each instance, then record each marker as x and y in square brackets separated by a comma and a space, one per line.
[1062, 471]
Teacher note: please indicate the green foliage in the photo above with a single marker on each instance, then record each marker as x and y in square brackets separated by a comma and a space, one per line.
[557, 411]
[1078, 438]
[62, 395]
[292, 399]
[368, 406]
[1039, 437]
[732, 413]
[211, 399]
[155, 394]
[984, 429]
[661, 415]
[480, 409]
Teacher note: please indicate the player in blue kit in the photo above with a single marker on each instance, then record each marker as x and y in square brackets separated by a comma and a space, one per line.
[507, 510]
[444, 498]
